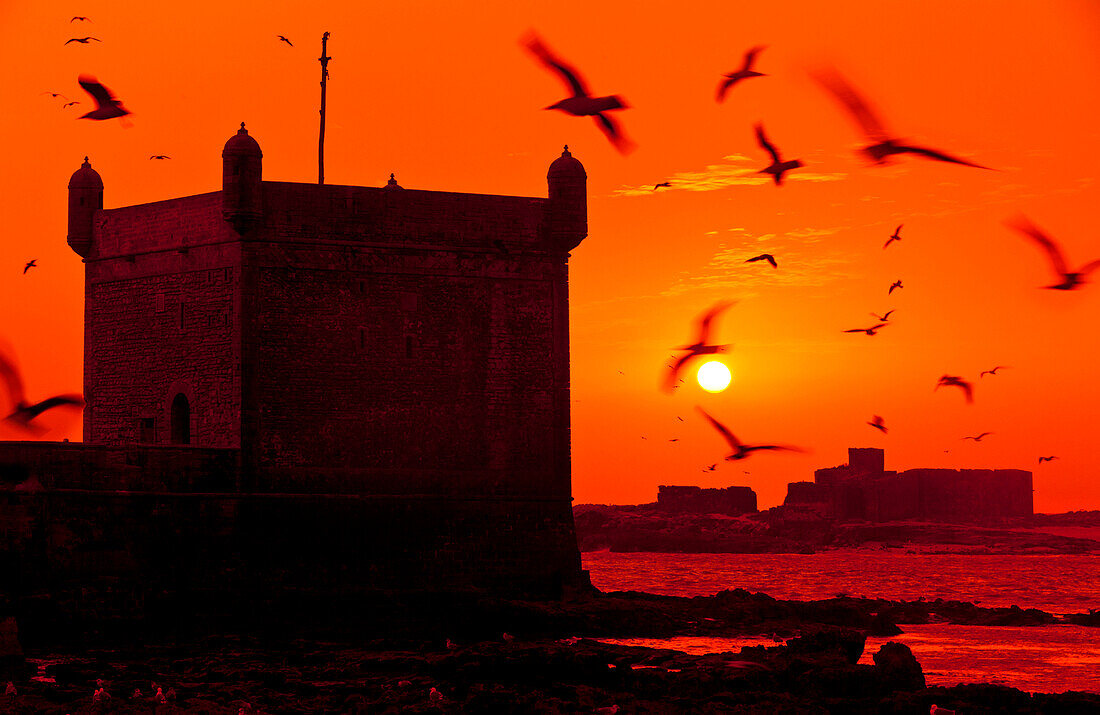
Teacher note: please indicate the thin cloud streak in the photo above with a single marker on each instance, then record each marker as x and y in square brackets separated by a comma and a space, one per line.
[739, 170]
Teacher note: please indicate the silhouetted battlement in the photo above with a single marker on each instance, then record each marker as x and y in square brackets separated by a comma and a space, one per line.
[868, 492]
[697, 500]
[371, 379]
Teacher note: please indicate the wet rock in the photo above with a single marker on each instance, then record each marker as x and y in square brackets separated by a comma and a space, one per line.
[898, 668]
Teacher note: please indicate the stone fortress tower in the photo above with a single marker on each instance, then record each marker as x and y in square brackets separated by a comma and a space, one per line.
[379, 375]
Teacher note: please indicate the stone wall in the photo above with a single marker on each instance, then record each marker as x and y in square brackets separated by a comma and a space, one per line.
[697, 500]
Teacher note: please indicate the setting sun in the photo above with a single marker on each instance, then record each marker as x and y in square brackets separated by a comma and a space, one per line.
[713, 376]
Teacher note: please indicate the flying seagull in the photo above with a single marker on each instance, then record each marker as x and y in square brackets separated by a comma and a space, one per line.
[992, 372]
[979, 437]
[68, 104]
[663, 184]
[896, 284]
[23, 413]
[55, 95]
[1070, 280]
[882, 318]
[895, 236]
[745, 72]
[107, 107]
[777, 167]
[159, 156]
[877, 423]
[763, 257]
[883, 145]
[869, 331]
[741, 451]
[1046, 459]
[581, 103]
[30, 264]
[82, 40]
[956, 381]
[285, 40]
[79, 17]
[701, 345]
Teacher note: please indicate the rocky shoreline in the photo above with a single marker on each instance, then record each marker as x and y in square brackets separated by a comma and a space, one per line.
[381, 653]
[644, 527]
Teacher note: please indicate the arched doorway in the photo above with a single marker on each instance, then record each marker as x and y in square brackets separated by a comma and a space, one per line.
[181, 420]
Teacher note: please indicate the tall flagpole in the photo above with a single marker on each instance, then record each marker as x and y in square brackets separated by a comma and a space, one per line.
[321, 140]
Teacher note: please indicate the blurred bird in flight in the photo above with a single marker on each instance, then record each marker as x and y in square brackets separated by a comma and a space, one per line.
[745, 72]
[285, 40]
[991, 372]
[581, 103]
[956, 381]
[979, 437]
[30, 264]
[882, 318]
[1070, 280]
[896, 284]
[68, 104]
[663, 184]
[895, 236]
[1046, 459]
[55, 95]
[878, 423]
[701, 345]
[81, 18]
[778, 167]
[107, 107]
[884, 145]
[23, 413]
[741, 451]
[869, 331]
[763, 257]
[82, 40]
[159, 156]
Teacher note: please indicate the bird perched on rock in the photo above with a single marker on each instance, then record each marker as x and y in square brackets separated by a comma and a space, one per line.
[896, 284]
[581, 103]
[745, 72]
[956, 381]
[701, 345]
[763, 257]
[895, 236]
[107, 107]
[1069, 280]
[778, 167]
[883, 146]
[873, 330]
[741, 451]
[878, 423]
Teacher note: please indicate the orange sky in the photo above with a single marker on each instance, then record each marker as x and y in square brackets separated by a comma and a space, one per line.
[442, 94]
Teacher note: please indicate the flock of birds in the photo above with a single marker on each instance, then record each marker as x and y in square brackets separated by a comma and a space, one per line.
[581, 102]
[881, 146]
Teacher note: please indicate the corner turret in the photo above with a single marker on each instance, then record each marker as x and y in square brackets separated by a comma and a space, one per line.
[568, 185]
[85, 198]
[242, 160]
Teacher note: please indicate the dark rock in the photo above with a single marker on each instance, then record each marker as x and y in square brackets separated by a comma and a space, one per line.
[897, 666]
